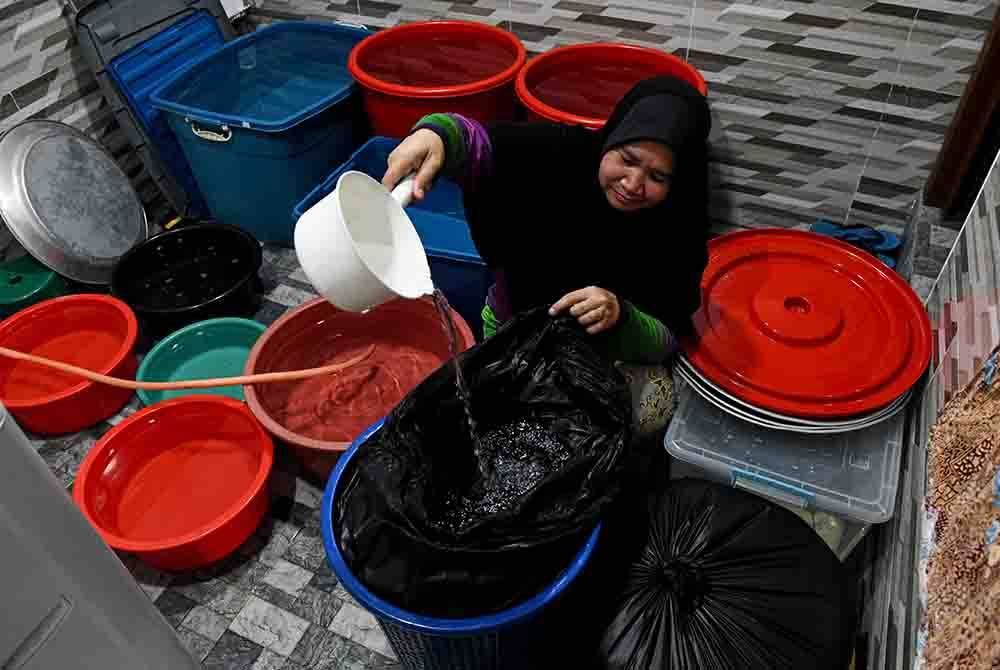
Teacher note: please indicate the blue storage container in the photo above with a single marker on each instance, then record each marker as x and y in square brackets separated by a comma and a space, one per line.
[141, 70]
[263, 119]
[456, 267]
[501, 641]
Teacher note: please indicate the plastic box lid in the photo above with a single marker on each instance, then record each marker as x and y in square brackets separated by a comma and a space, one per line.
[269, 80]
[854, 475]
[439, 218]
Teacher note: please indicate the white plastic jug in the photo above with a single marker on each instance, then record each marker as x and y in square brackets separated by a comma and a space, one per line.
[359, 248]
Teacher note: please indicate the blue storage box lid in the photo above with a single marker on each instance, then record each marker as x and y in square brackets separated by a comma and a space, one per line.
[140, 71]
[269, 80]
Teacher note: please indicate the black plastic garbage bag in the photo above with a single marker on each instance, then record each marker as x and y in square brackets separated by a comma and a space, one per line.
[727, 580]
[439, 527]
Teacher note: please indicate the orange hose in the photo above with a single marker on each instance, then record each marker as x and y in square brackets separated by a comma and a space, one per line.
[262, 378]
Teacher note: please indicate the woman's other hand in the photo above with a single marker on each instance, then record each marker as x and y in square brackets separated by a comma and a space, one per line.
[595, 309]
[423, 153]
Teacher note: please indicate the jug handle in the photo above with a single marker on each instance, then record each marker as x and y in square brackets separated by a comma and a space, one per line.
[403, 193]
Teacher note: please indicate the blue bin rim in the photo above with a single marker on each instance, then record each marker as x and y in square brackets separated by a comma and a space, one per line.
[329, 183]
[425, 624]
[336, 94]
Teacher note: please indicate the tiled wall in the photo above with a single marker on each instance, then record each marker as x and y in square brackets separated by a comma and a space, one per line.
[832, 109]
[42, 75]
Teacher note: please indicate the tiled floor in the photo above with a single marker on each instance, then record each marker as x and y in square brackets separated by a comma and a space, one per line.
[274, 605]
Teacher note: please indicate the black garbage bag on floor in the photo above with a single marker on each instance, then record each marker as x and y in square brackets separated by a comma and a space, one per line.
[726, 580]
[439, 527]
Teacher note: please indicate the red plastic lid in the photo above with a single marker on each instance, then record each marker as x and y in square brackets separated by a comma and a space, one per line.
[801, 324]
[581, 84]
[437, 59]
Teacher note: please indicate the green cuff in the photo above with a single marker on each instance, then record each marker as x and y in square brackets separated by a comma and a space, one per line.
[638, 337]
[490, 323]
[451, 134]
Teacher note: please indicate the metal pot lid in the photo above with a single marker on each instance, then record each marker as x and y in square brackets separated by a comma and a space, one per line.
[66, 201]
[720, 402]
[806, 326]
[683, 367]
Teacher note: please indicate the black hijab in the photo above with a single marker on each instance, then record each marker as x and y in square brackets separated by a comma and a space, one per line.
[542, 218]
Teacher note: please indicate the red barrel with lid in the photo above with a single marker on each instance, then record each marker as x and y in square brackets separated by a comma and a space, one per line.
[417, 69]
[581, 84]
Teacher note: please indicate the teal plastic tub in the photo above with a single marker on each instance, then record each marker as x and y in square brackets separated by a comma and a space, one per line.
[265, 118]
[212, 348]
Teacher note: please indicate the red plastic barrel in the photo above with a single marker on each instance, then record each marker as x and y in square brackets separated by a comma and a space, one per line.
[417, 69]
[91, 331]
[581, 84]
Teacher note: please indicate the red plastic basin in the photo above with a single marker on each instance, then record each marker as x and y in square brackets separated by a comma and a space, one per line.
[581, 84]
[96, 332]
[417, 69]
[180, 484]
[320, 417]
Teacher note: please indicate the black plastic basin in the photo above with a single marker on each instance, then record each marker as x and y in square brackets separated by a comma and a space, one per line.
[187, 274]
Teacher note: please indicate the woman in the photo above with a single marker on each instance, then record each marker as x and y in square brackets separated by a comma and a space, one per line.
[609, 226]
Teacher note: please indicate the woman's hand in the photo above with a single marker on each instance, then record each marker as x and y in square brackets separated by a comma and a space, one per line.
[423, 153]
[595, 309]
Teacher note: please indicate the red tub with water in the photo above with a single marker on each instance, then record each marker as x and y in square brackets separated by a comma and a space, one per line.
[181, 484]
[417, 69]
[91, 331]
[320, 417]
[581, 84]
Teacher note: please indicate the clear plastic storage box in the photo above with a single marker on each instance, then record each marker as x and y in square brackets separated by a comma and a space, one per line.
[851, 475]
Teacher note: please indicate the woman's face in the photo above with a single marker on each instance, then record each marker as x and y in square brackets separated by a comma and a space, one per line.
[636, 175]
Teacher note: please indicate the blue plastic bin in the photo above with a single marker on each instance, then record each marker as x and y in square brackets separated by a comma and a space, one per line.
[141, 70]
[263, 119]
[456, 267]
[501, 641]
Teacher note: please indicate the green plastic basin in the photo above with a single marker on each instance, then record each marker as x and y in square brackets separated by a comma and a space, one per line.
[212, 348]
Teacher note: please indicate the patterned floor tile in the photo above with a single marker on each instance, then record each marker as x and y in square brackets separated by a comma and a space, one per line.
[359, 626]
[288, 577]
[324, 580]
[308, 495]
[229, 601]
[174, 606]
[152, 581]
[198, 645]
[269, 626]
[206, 622]
[199, 590]
[321, 649]
[273, 595]
[307, 550]
[316, 606]
[269, 660]
[233, 652]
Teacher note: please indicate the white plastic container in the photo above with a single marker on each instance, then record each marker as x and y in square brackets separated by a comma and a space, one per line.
[359, 248]
[68, 602]
[851, 475]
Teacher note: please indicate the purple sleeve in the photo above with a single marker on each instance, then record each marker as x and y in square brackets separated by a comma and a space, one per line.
[468, 150]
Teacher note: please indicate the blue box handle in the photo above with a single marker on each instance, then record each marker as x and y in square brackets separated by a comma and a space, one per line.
[772, 488]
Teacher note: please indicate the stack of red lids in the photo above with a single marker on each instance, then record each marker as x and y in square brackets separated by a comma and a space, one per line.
[798, 331]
